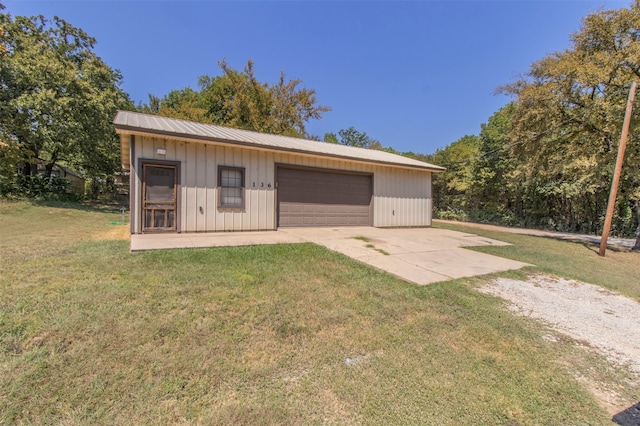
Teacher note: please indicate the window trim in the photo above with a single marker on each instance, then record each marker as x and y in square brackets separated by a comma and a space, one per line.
[222, 168]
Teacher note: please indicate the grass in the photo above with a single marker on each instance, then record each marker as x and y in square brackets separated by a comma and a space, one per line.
[371, 246]
[287, 334]
[619, 270]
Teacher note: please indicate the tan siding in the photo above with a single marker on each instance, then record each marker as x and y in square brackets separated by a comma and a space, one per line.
[260, 196]
[158, 144]
[180, 155]
[136, 186]
[239, 158]
[190, 166]
[225, 216]
[147, 148]
[218, 222]
[212, 202]
[269, 180]
[402, 198]
[251, 201]
[201, 192]
[171, 148]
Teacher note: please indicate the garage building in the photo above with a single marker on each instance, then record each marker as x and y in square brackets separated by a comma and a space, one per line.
[194, 177]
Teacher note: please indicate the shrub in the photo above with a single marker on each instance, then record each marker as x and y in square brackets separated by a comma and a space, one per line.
[37, 186]
[452, 214]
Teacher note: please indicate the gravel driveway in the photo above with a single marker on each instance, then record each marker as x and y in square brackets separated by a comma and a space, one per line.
[605, 320]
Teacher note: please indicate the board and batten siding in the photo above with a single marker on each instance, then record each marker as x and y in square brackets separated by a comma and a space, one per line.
[401, 197]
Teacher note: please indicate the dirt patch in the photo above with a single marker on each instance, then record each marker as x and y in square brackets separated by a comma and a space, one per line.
[596, 317]
[112, 232]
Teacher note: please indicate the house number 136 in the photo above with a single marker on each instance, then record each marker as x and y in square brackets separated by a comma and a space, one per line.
[262, 185]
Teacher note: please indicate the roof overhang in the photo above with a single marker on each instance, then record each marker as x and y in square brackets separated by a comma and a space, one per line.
[125, 150]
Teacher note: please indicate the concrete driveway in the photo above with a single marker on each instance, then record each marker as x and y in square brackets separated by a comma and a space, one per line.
[418, 255]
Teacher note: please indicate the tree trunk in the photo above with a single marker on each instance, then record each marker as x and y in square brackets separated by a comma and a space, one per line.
[27, 168]
[50, 164]
[637, 245]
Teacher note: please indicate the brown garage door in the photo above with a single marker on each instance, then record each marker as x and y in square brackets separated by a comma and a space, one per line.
[311, 197]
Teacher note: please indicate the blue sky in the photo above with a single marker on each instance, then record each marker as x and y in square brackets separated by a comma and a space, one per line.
[416, 75]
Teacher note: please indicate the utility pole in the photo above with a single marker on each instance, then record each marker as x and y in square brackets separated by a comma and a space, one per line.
[618, 170]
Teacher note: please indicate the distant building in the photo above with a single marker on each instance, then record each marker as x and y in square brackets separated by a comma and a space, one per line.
[76, 181]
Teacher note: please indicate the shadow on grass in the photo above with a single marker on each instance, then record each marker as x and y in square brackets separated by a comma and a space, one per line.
[628, 417]
[88, 206]
[617, 243]
[590, 242]
[596, 248]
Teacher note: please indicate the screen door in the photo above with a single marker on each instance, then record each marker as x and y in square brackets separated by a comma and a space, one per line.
[159, 198]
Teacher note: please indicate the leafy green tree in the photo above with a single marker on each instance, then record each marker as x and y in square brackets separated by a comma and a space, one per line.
[9, 159]
[493, 190]
[451, 188]
[237, 99]
[293, 107]
[57, 97]
[151, 107]
[568, 117]
[427, 158]
[186, 104]
[330, 138]
[353, 137]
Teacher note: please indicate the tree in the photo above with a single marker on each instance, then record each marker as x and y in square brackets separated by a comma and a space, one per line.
[9, 158]
[353, 137]
[152, 107]
[293, 107]
[451, 188]
[568, 116]
[185, 103]
[493, 191]
[57, 97]
[330, 138]
[237, 99]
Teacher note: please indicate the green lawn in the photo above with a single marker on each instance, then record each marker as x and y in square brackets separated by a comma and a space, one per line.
[290, 334]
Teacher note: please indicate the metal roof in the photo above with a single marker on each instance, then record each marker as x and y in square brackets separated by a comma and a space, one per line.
[127, 122]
